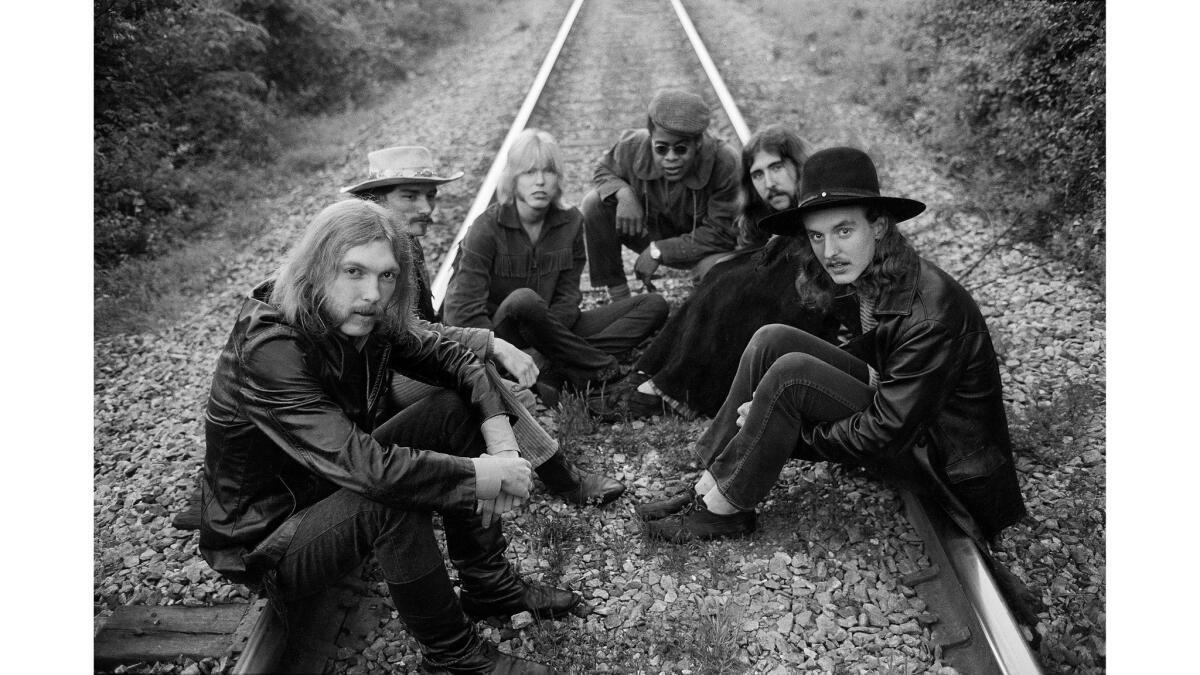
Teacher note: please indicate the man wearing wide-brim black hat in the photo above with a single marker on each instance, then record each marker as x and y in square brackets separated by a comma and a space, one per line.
[914, 395]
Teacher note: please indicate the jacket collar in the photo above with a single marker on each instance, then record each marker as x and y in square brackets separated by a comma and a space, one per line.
[898, 298]
[644, 167]
[508, 217]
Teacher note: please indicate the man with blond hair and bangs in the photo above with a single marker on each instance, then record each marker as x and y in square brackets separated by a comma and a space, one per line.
[308, 471]
[518, 273]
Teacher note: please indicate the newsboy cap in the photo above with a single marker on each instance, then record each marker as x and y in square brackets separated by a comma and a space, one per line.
[679, 112]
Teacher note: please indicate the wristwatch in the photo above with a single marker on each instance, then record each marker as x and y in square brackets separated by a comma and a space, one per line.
[654, 252]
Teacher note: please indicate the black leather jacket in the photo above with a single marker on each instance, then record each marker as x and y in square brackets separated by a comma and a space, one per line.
[289, 420]
[938, 410]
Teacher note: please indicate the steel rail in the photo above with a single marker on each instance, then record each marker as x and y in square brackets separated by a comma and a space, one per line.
[990, 617]
[714, 76]
[488, 188]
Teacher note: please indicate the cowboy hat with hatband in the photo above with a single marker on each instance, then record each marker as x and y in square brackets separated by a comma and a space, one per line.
[838, 177]
[401, 164]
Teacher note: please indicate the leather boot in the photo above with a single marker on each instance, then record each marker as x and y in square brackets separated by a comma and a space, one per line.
[490, 586]
[563, 478]
[448, 639]
[435, 619]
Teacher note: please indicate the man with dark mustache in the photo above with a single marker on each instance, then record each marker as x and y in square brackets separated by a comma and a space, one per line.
[668, 191]
[914, 395]
[404, 180]
[309, 468]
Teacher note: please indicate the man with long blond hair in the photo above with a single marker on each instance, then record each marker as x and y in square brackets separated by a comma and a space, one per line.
[308, 471]
[518, 273]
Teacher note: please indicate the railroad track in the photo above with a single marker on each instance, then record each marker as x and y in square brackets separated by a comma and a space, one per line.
[976, 632]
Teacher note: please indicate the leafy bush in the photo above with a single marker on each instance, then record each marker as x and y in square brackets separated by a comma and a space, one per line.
[1012, 92]
[186, 87]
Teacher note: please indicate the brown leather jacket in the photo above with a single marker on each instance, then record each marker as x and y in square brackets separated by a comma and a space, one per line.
[289, 421]
[938, 410]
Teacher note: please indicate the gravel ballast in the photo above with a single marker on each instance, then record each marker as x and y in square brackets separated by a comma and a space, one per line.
[820, 587]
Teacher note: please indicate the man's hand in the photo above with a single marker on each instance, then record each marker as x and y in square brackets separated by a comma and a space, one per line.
[743, 412]
[515, 474]
[519, 364]
[490, 509]
[645, 266]
[630, 216]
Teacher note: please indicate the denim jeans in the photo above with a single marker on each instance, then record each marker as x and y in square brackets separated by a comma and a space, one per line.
[605, 267]
[335, 535]
[790, 376]
[595, 340]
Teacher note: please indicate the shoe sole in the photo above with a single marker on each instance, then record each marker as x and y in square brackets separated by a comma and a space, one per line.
[650, 516]
[539, 616]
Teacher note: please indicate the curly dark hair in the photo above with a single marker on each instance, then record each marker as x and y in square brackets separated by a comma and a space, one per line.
[894, 255]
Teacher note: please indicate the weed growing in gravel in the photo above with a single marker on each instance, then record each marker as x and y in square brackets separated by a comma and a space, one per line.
[1041, 429]
[714, 642]
[573, 420]
[551, 536]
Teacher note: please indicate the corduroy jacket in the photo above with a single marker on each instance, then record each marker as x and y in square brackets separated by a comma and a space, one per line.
[939, 398]
[497, 257]
[698, 210]
[289, 421]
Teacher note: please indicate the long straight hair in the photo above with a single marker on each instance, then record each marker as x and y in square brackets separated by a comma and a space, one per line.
[777, 140]
[302, 283]
[894, 257]
[533, 149]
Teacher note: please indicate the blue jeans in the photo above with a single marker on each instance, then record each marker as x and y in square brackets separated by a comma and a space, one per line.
[790, 376]
[337, 534]
[588, 346]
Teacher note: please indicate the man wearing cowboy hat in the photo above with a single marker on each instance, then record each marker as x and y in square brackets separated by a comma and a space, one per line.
[404, 180]
[914, 395]
[669, 192]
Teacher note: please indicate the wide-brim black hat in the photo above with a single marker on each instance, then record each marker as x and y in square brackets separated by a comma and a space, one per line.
[838, 177]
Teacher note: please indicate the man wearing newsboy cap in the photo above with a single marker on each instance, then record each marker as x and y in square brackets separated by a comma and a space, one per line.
[669, 192]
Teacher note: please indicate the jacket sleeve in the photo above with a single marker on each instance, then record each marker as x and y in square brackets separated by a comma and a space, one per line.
[614, 169]
[478, 340]
[284, 398]
[716, 232]
[432, 358]
[564, 305]
[916, 376]
[466, 300]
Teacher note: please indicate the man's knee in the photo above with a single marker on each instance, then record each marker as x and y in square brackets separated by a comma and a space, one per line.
[592, 208]
[523, 303]
[654, 307]
[770, 335]
[788, 366]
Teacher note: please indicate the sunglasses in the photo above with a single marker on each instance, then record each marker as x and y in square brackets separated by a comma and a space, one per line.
[681, 149]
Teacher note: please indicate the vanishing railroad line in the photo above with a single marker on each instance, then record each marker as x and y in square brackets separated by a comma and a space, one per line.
[575, 97]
